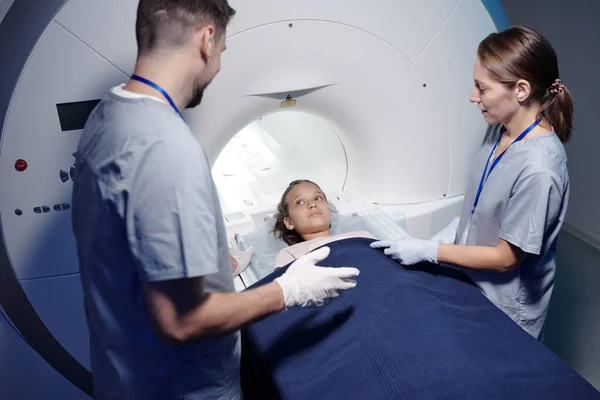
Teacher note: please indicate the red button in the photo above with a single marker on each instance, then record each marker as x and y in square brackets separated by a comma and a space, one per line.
[21, 165]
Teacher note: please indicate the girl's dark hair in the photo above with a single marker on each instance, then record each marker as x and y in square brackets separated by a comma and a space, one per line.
[522, 53]
[291, 237]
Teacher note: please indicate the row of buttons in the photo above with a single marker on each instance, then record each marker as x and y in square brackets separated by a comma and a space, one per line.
[46, 209]
[21, 165]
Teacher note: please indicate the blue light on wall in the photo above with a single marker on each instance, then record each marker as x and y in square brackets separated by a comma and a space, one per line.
[498, 14]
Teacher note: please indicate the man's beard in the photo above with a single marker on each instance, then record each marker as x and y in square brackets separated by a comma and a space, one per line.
[196, 97]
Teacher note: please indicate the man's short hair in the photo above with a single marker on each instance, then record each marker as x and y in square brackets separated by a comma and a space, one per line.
[169, 24]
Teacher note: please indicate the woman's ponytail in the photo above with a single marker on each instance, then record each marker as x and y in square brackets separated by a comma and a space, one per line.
[558, 108]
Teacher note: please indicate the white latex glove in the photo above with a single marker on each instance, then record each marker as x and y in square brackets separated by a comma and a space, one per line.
[409, 251]
[448, 234]
[242, 258]
[305, 284]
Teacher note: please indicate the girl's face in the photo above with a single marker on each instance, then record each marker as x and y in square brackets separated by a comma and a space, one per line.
[308, 210]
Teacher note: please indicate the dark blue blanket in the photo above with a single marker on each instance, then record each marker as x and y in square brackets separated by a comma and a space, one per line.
[400, 334]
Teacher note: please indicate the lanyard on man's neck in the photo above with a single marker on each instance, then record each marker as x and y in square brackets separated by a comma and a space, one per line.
[161, 90]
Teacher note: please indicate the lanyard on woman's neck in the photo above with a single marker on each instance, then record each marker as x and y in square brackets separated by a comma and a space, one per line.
[161, 90]
[497, 160]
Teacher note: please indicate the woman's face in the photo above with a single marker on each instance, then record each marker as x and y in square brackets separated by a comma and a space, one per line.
[308, 209]
[497, 102]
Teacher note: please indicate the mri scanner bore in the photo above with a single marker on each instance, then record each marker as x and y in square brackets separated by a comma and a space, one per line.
[383, 107]
[272, 151]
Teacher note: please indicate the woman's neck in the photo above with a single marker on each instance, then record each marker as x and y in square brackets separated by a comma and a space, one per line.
[521, 120]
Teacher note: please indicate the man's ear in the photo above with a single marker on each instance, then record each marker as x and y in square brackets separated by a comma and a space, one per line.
[207, 41]
[288, 223]
[523, 88]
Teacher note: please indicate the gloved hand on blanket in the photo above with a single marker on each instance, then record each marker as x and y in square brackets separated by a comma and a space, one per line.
[305, 284]
[409, 251]
[448, 234]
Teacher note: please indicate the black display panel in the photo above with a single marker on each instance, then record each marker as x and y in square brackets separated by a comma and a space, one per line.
[73, 116]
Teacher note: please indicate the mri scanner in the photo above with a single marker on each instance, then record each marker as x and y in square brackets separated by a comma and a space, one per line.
[381, 87]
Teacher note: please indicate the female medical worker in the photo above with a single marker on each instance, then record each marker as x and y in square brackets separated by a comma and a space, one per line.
[516, 200]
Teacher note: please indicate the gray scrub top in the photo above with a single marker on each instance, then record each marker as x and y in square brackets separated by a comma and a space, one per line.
[145, 209]
[524, 202]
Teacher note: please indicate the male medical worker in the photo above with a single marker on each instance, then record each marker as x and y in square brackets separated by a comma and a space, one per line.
[160, 303]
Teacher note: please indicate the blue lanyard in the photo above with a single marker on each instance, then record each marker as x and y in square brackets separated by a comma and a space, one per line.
[497, 160]
[161, 90]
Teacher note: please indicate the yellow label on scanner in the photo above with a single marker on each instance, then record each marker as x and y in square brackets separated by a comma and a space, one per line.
[289, 102]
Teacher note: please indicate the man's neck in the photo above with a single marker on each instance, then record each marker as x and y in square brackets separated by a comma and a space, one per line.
[166, 73]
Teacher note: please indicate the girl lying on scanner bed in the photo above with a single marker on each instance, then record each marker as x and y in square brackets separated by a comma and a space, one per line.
[304, 220]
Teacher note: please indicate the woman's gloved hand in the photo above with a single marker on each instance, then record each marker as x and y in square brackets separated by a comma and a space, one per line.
[448, 234]
[305, 284]
[409, 251]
